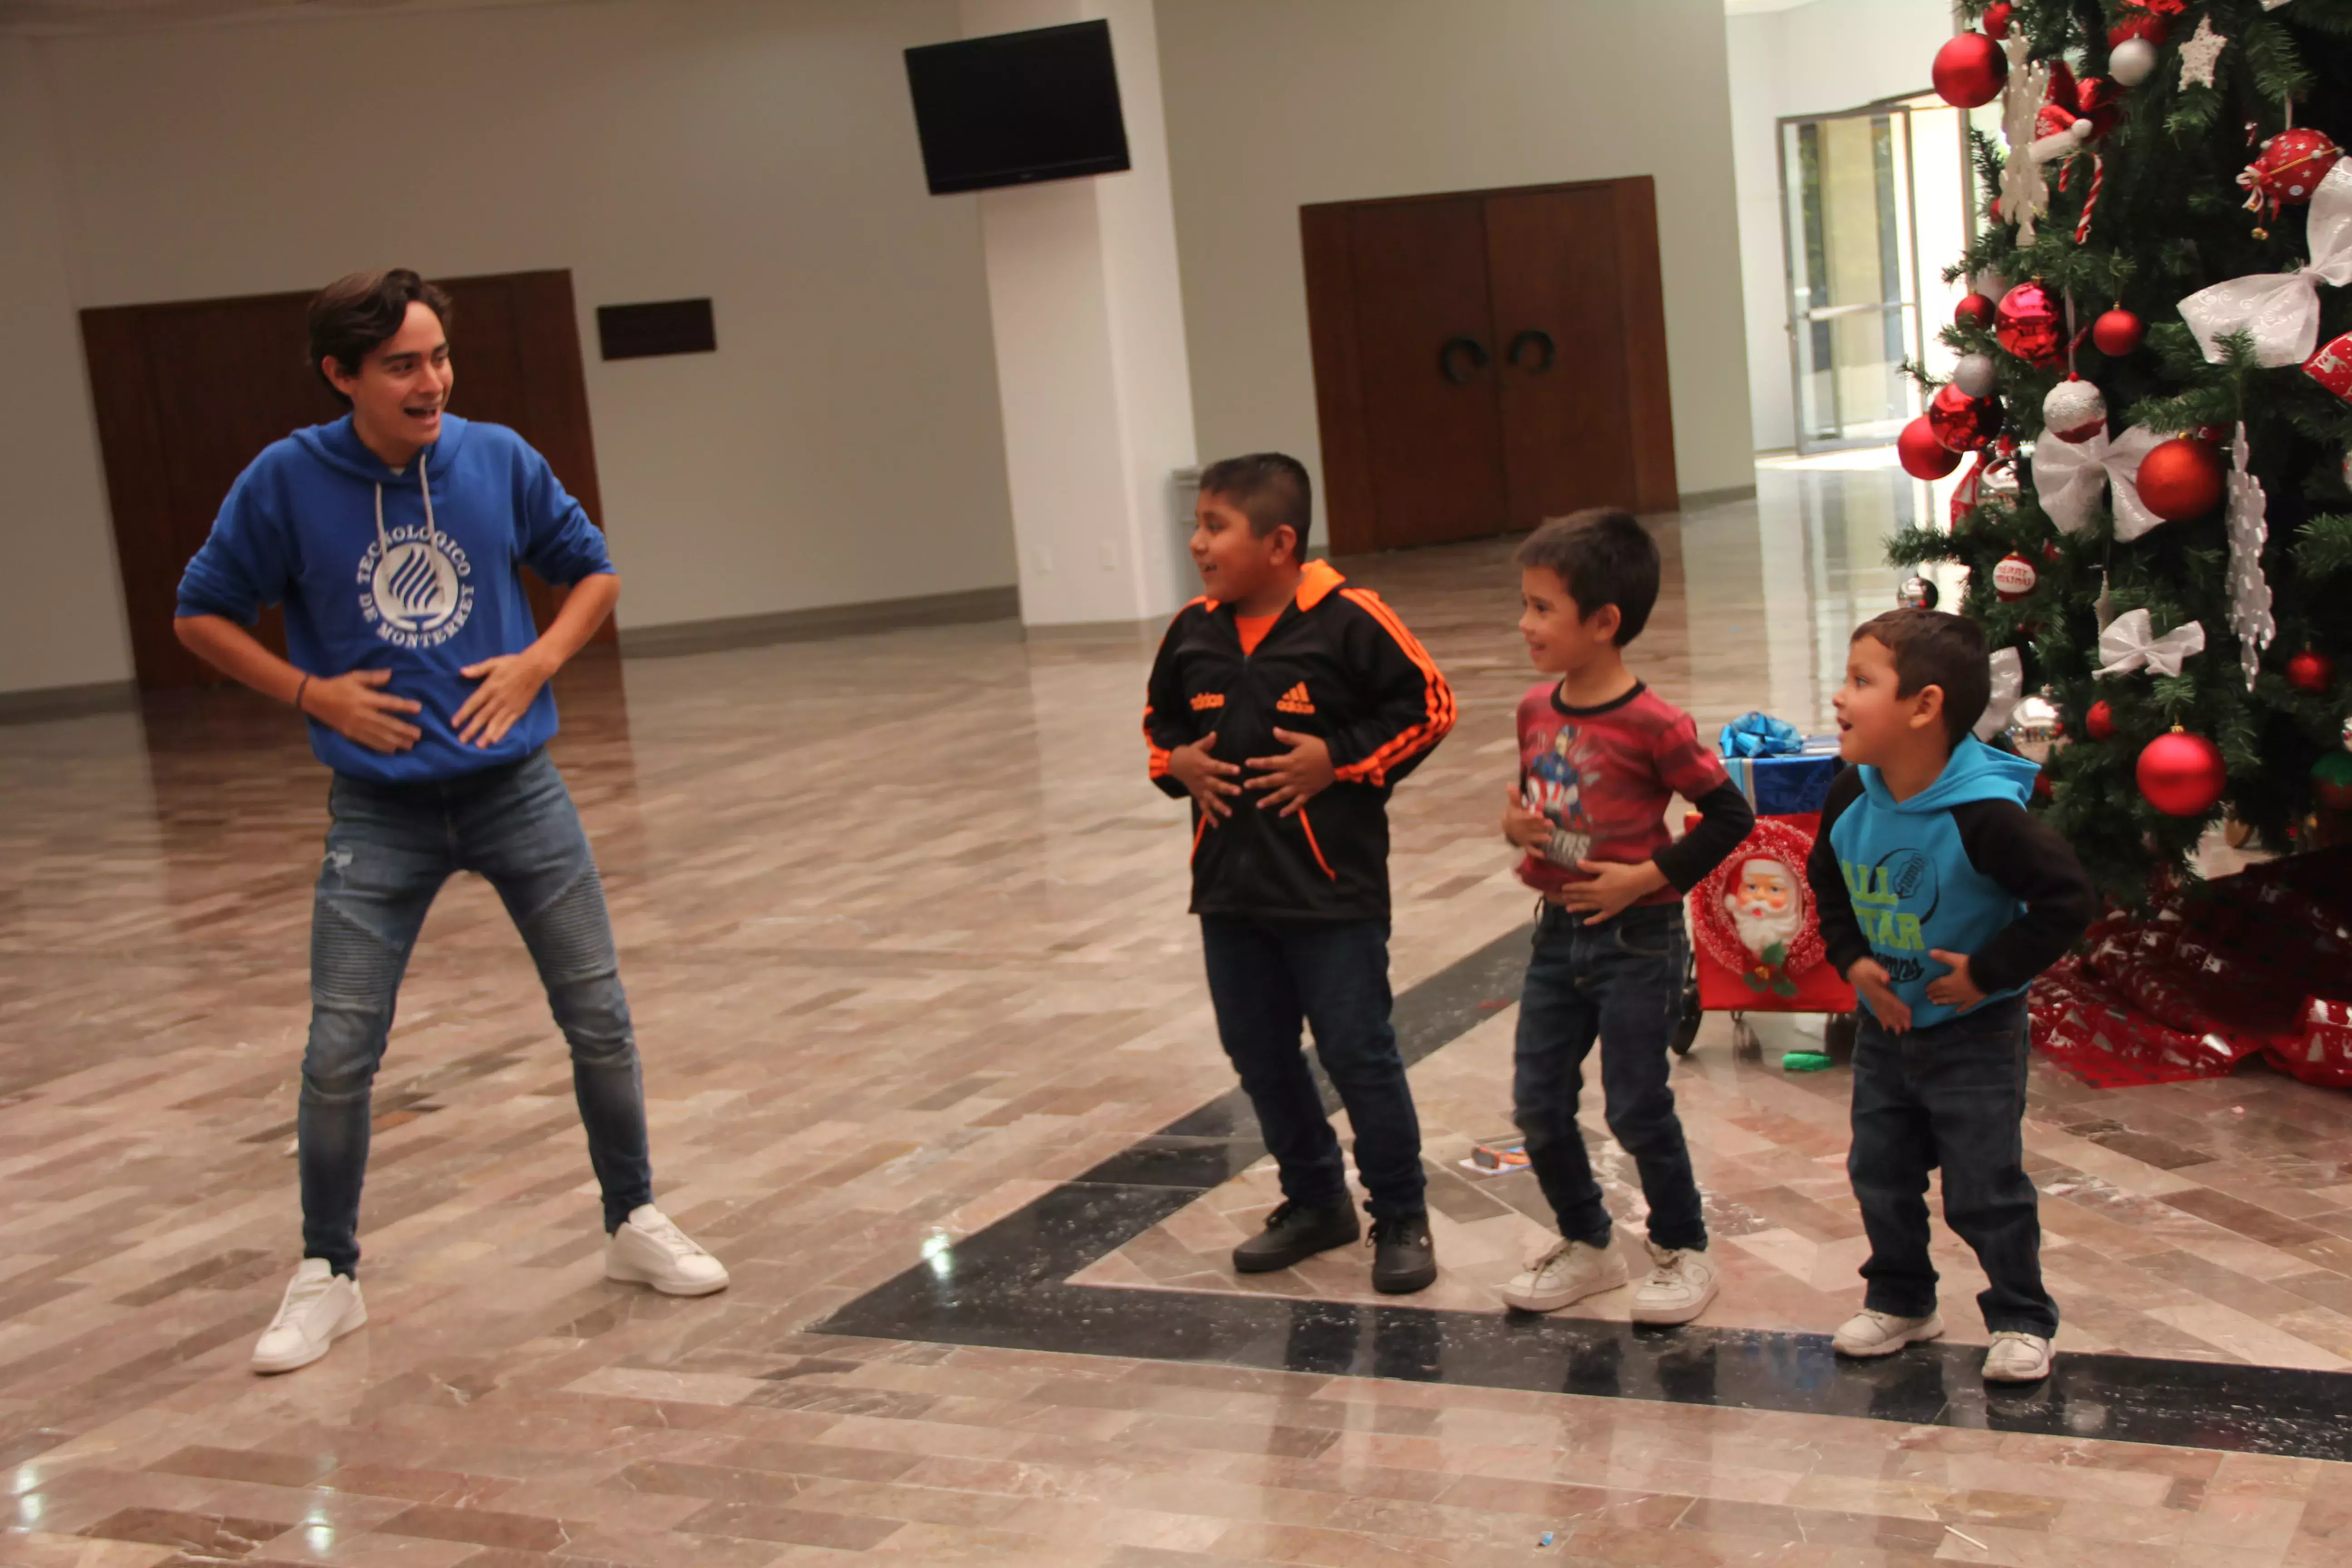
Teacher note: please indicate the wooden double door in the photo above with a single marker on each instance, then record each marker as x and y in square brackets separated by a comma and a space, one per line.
[187, 393]
[1487, 360]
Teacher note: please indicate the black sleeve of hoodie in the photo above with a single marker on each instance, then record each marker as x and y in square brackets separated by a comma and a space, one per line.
[1725, 818]
[2033, 864]
[1834, 906]
[1167, 721]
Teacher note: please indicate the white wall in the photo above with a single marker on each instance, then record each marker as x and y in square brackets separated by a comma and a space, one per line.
[842, 444]
[1811, 59]
[1271, 107]
[63, 623]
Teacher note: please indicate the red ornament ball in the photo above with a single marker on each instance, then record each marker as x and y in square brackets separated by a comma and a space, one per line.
[2028, 323]
[2181, 478]
[1996, 20]
[1923, 455]
[1969, 70]
[2311, 670]
[2290, 168]
[2014, 578]
[1961, 423]
[2117, 332]
[1975, 311]
[2181, 774]
[2099, 722]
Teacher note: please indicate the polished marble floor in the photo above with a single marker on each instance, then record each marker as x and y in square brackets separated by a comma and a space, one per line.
[903, 930]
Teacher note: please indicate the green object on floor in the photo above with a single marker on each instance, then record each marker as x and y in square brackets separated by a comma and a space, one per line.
[1805, 1061]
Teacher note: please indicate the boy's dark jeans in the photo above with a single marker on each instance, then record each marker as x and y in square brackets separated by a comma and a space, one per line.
[1619, 982]
[1950, 1095]
[389, 849]
[1264, 978]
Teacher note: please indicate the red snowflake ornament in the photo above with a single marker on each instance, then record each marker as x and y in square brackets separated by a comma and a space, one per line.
[2292, 164]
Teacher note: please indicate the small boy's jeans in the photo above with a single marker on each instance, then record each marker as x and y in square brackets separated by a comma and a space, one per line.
[1266, 977]
[389, 849]
[1619, 982]
[1951, 1095]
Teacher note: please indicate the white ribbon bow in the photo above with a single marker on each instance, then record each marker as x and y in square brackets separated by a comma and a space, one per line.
[2069, 475]
[2282, 309]
[2008, 691]
[2130, 643]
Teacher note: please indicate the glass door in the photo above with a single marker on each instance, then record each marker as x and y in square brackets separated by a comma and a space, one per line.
[1847, 211]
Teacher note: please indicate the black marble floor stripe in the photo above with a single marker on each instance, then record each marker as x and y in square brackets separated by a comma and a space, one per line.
[1006, 1287]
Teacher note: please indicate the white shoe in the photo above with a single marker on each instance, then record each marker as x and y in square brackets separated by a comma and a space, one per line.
[1869, 1333]
[1569, 1271]
[649, 1250]
[2018, 1357]
[1681, 1284]
[320, 1308]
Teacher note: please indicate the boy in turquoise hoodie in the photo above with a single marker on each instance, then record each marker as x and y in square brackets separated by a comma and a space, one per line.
[1940, 900]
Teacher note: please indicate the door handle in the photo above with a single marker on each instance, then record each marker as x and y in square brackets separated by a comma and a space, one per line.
[1461, 347]
[1541, 339]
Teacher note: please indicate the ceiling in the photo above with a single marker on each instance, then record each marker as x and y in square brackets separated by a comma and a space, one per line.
[92, 16]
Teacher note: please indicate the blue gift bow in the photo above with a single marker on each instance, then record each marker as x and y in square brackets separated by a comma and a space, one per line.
[1759, 735]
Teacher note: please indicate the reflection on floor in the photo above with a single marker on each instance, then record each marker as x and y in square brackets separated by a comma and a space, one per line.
[903, 928]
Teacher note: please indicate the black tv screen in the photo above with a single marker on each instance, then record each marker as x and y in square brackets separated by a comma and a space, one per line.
[1015, 108]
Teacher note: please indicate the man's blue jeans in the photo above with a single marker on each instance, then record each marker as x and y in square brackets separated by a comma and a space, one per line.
[1952, 1095]
[1619, 982]
[389, 849]
[1264, 978]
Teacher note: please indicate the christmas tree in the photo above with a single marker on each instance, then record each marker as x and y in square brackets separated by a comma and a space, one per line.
[2152, 394]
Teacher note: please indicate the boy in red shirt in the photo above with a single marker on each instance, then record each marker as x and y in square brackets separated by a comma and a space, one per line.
[1600, 756]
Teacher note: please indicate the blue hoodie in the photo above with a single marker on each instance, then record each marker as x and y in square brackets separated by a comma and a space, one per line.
[1961, 867]
[413, 570]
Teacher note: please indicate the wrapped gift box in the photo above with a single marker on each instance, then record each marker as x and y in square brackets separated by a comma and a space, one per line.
[1787, 786]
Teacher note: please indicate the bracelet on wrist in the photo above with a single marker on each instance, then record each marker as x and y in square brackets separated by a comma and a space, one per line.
[305, 686]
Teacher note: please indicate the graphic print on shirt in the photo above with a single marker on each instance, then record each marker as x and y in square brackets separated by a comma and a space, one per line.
[1894, 898]
[414, 586]
[1554, 788]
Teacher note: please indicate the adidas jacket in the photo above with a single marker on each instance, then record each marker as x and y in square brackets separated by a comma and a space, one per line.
[1337, 664]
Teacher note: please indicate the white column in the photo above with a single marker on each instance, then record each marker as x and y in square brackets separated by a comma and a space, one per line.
[1091, 370]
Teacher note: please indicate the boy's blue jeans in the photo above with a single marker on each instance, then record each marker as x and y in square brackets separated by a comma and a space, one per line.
[389, 849]
[1619, 982]
[1951, 1095]
[1267, 976]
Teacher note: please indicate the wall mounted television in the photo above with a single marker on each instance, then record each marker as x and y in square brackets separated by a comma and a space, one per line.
[1015, 108]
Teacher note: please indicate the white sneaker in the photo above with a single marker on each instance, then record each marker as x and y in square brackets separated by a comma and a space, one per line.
[320, 1308]
[649, 1250]
[2018, 1357]
[1681, 1284]
[1569, 1271]
[1869, 1333]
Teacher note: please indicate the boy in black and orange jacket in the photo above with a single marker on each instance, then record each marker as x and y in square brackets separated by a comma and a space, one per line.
[1287, 705]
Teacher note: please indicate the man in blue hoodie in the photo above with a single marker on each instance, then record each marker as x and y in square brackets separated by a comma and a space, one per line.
[1940, 900]
[394, 538]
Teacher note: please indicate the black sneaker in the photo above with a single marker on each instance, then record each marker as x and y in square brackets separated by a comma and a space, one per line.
[1292, 1234]
[1404, 1258]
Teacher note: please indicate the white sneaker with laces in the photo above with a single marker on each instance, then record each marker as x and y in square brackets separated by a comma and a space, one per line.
[1569, 1271]
[649, 1250]
[321, 1307]
[1681, 1283]
[1869, 1333]
[2016, 1356]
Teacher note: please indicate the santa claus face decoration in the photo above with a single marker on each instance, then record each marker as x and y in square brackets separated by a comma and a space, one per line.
[1764, 905]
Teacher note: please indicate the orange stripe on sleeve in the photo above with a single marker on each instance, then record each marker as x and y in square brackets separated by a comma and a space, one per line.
[1440, 711]
[1158, 752]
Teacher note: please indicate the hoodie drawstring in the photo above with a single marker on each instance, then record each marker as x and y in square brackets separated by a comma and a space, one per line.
[425, 484]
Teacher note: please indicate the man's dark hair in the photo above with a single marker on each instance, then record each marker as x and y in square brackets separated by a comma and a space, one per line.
[1602, 556]
[1936, 648]
[1270, 488]
[358, 313]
